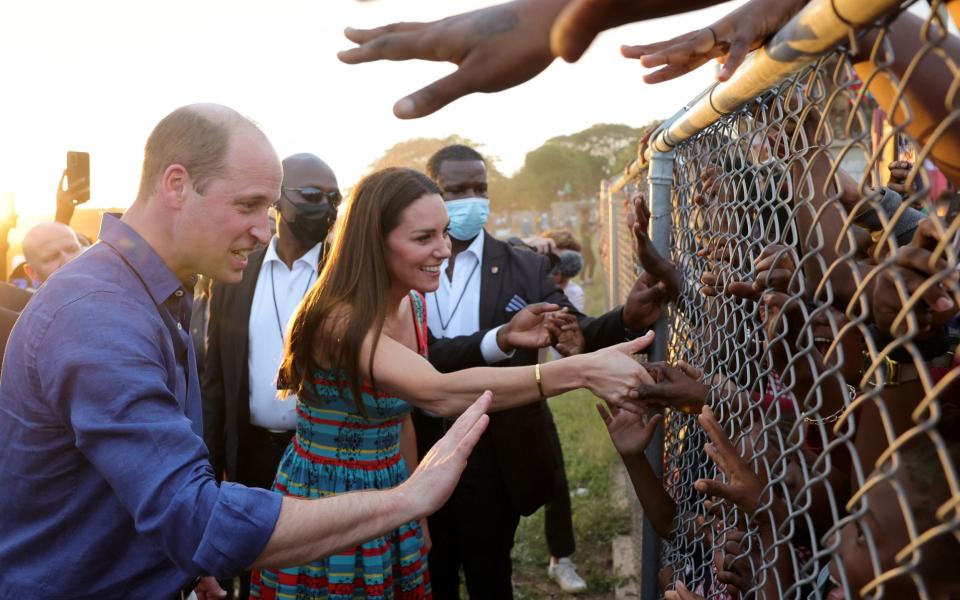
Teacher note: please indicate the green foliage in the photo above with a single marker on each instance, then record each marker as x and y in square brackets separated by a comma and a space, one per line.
[568, 167]
[415, 153]
[553, 169]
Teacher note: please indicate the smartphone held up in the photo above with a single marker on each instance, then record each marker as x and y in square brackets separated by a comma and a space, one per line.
[78, 176]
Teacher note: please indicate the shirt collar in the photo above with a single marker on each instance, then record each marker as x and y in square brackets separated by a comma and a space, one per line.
[476, 246]
[311, 258]
[159, 280]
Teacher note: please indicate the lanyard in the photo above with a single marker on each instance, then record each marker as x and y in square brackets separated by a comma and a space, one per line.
[273, 288]
[459, 300]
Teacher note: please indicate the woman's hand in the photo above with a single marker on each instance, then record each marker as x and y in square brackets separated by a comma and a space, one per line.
[613, 374]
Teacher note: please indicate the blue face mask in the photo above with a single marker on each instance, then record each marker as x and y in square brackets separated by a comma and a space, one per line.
[467, 217]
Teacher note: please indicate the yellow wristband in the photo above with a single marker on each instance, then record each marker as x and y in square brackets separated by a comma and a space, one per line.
[536, 374]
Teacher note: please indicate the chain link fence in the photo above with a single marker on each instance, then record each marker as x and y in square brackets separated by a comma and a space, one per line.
[816, 226]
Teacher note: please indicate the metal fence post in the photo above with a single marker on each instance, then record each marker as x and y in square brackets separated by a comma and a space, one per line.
[612, 250]
[659, 197]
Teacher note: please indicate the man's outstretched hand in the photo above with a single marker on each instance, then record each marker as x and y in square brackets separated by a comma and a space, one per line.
[429, 487]
[494, 48]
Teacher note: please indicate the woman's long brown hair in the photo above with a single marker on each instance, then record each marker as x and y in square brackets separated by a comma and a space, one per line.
[355, 277]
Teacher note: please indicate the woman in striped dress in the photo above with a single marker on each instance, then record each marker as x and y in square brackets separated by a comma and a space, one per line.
[337, 450]
[360, 333]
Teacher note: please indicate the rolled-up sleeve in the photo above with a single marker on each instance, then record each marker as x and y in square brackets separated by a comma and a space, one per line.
[118, 393]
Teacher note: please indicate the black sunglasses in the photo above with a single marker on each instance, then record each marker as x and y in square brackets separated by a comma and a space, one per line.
[315, 195]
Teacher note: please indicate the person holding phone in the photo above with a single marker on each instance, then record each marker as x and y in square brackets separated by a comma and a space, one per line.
[77, 190]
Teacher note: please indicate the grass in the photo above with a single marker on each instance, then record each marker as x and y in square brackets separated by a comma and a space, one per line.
[589, 458]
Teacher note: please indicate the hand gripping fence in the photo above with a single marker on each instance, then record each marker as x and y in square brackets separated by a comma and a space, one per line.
[810, 206]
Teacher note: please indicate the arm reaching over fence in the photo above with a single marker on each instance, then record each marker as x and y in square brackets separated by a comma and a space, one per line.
[728, 40]
[494, 48]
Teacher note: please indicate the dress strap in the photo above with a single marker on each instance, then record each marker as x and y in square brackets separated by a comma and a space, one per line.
[419, 304]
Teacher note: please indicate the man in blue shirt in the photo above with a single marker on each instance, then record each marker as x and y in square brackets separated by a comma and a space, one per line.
[107, 487]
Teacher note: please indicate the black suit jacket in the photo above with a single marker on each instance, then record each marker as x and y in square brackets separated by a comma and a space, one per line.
[7, 319]
[226, 380]
[12, 300]
[12, 297]
[519, 438]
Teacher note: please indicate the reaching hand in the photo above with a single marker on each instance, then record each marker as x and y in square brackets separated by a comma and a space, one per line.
[676, 387]
[630, 432]
[899, 170]
[659, 267]
[743, 486]
[680, 592]
[914, 266]
[528, 328]
[660, 281]
[431, 484]
[494, 48]
[775, 268]
[209, 589]
[735, 567]
[77, 192]
[580, 22]
[613, 374]
[543, 245]
[566, 333]
[728, 40]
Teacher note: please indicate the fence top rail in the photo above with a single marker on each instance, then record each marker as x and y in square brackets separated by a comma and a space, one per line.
[814, 31]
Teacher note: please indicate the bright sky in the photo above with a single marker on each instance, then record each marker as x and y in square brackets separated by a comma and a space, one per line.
[97, 75]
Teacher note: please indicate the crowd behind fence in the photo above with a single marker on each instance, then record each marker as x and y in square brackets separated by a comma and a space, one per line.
[814, 219]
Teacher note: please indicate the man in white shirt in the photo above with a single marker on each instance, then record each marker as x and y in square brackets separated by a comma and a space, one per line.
[483, 284]
[246, 427]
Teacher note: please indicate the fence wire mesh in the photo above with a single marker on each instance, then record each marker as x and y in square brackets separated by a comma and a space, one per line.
[817, 232]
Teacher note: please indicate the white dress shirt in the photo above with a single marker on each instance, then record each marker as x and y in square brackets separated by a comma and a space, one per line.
[277, 294]
[574, 294]
[454, 309]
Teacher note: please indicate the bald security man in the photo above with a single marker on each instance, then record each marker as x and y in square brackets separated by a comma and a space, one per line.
[46, 248]
[245, 426]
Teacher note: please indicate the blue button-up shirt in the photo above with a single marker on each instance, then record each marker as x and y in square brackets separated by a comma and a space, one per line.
[105, 485]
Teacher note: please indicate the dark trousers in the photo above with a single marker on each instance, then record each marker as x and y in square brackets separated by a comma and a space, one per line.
[474, 529]
[558, 516]
[257, 460]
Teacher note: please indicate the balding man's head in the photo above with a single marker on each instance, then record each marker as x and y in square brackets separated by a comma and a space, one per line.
[308, 202]
[198, 138]
[46, 248]
[305, 170]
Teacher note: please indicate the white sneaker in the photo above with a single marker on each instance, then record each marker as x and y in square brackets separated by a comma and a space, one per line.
[564, 572]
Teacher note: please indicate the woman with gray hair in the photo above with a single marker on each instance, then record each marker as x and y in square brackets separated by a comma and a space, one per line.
[569, 266]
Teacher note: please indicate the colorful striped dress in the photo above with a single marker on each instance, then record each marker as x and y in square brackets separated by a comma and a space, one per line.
[334, 451]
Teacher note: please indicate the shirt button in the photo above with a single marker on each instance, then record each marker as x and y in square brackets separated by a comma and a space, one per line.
[179, 327]
[178, 293]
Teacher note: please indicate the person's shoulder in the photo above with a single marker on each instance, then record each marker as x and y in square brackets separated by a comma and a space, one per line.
[91, 289]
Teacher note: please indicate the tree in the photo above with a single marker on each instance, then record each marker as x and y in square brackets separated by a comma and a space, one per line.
[415, 153]
[553, 169]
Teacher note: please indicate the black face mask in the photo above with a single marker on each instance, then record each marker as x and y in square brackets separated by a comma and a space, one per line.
[310, 223]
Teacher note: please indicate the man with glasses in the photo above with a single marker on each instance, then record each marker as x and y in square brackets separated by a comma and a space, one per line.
[245, 426]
